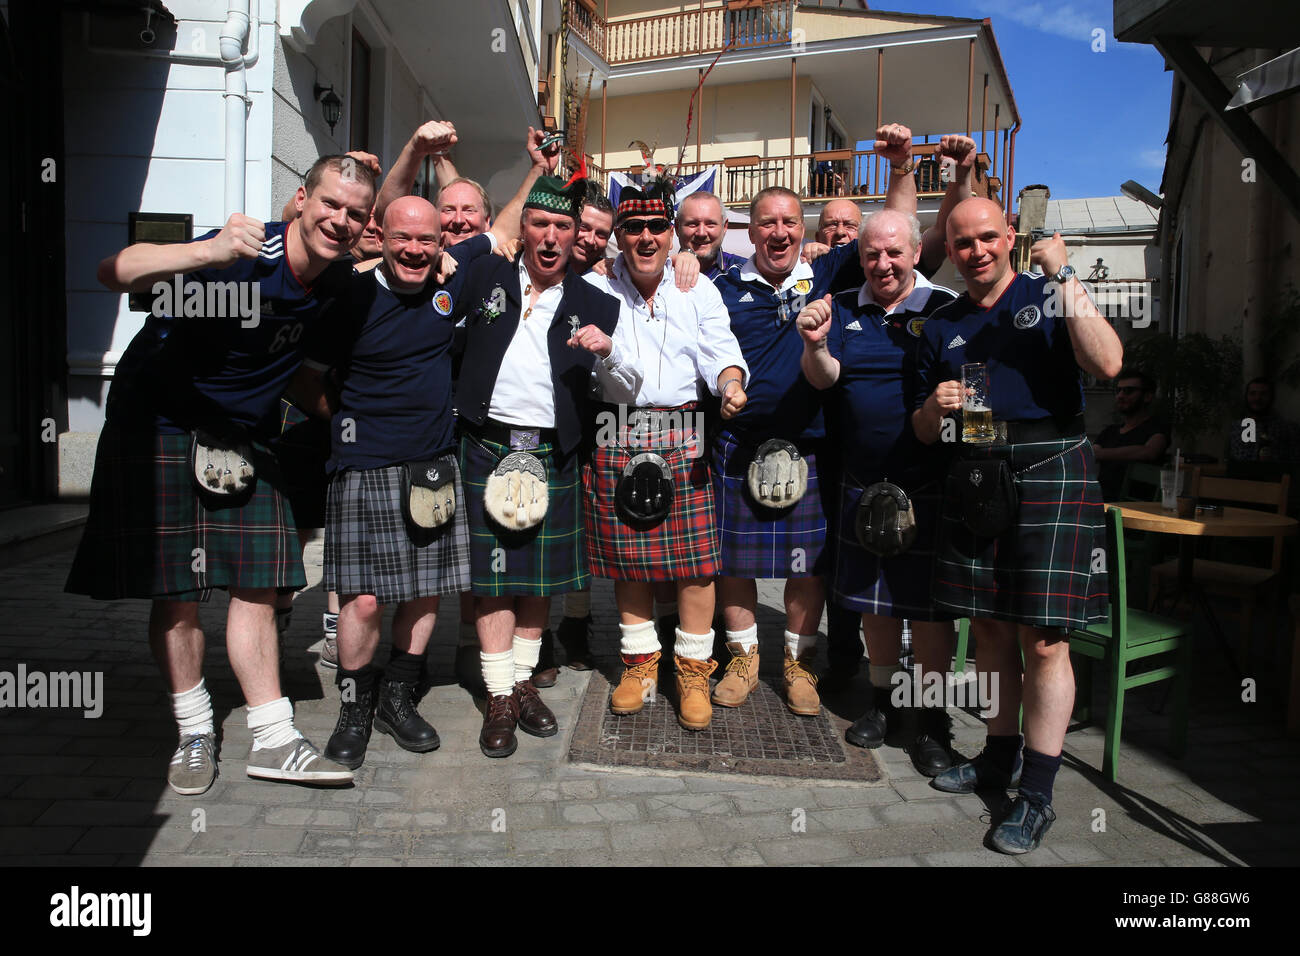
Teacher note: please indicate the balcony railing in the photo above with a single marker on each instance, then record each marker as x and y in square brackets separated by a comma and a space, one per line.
[831, 174]
[765, 23]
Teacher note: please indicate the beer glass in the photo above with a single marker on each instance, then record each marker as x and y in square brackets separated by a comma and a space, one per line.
[976, 408]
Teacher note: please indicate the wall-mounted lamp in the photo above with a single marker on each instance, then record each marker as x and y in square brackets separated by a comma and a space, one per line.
[331, 106]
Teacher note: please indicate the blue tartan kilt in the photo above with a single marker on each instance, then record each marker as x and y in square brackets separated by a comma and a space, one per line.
[897, 586]
[547, 559]
[755, 541]
[1041, 570]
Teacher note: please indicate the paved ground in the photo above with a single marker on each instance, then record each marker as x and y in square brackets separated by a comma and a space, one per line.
[77, 790]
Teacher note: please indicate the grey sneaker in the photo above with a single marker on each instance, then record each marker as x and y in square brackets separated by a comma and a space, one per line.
[194, 765]
[298, 761]
[329, 652]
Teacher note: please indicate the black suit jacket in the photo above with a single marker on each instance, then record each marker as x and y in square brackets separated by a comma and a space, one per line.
[486, 338]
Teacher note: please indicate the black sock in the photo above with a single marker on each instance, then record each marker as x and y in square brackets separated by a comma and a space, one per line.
[403, 667]
[1003, 752]
[1038, 776]
[363, 680]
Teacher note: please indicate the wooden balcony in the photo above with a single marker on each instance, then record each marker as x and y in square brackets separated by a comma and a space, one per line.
[736, 24]
[818, 177]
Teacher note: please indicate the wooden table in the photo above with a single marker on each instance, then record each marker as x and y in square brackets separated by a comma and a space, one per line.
[1223, 522]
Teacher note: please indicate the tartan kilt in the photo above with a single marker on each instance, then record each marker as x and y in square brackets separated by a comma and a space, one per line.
[302, 448]
[1040, 571]
[897, 586]
[370, 548]
[683, 545]
[146, 518]
[547, 559]
[754, 541]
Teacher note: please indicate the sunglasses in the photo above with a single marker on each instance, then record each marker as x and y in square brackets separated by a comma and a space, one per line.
[634, 227]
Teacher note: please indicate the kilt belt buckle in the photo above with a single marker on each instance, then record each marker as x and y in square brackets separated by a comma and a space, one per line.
[643, 496]
[778, 475]
[516, 493]
[220, 467]
[429, 491]
[884, 521]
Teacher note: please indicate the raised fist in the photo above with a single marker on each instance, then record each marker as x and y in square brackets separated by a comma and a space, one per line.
[814, 321]
[433, 138]
[894, 143]
[592, 339]
[1049, 254]
[960, 149]
[240, 238]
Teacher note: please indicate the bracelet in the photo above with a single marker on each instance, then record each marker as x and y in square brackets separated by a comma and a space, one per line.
[727, 383]
[906, 168]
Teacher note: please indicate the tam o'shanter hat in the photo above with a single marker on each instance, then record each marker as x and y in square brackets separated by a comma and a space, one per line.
[655, 199]
[553, 195]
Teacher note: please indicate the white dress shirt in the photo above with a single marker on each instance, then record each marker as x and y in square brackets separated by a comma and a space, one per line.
[524, 393]
[668, 343]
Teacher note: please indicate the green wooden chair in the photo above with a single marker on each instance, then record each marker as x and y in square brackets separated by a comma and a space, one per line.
[1128, 636]
[1142, 550]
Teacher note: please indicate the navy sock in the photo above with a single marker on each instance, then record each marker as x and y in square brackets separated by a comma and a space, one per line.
[1003, 752]
[1038, 776]
[403, 667]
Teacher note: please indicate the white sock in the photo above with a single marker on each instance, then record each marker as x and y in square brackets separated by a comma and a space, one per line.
[698, 647]
[272, 724]
[499, 672]
[330, 624]
[882, 675]
[638, 638]
[526, 655]
[577, 603]
[467, 636]
[748, 638]
[796, 644]
[193, 710]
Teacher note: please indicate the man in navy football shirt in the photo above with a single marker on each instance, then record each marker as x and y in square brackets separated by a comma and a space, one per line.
[215, 363]
[1024, 586]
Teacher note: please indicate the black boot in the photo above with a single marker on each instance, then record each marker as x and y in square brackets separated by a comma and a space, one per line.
[572, 634]
[869, 730]
[929, 747]
[546, 673]
[347, 745]
[397, 717]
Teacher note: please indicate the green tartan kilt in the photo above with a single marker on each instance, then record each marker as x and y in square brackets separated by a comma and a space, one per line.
[151, 535]
[548, 559]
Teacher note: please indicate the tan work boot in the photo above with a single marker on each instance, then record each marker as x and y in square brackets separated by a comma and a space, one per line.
[801, 684]
[740, 679]
[694, 712]
[636, 686]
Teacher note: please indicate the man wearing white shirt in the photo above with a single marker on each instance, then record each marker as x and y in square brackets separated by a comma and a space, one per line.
[650, 514]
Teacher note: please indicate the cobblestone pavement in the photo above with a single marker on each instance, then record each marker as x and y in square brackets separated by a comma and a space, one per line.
[92, 791]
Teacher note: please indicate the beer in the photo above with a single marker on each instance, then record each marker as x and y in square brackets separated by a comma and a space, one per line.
[977, 424]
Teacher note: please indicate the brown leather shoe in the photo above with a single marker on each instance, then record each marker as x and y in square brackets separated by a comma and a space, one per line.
[636, 686]
[499, 720]
[694, 712]
[534, 716]
[801, 684]
[740, 679]
[547, 672]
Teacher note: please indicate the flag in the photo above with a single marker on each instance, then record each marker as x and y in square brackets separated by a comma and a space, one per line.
[703, 181]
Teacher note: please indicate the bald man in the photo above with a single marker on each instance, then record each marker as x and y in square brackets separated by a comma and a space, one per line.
[838, 224]
[389, 342]
[1027, 580]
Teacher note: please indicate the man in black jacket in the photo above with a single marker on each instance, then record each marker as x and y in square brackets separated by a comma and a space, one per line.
[533, 333]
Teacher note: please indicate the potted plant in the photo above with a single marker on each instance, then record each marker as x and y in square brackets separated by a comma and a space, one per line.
[1200, 379]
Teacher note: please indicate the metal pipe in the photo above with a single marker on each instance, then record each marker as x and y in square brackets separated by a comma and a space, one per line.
[233, 35]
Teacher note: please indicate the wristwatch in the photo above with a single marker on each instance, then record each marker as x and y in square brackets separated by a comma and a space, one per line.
[1064, 276]
[906, 168]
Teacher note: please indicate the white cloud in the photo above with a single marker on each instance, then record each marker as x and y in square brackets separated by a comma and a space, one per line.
[1074, 21]
[1152, 158]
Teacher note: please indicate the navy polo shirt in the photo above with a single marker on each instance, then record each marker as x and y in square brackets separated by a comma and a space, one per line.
[392, 354]
[780, 401]
[1032, 370]
[205, 362]
[869, 405]
[722, 263]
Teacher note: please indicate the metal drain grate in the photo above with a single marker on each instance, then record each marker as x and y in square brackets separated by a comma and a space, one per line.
[762, 737]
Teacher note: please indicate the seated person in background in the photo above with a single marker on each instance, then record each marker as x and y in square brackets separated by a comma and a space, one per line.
[1260, 434]
[1141, 436]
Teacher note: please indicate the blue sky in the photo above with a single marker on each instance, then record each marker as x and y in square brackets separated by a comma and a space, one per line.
[1089, 120]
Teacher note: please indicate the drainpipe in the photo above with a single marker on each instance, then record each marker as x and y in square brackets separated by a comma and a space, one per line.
[233, 35]
[1011, 170]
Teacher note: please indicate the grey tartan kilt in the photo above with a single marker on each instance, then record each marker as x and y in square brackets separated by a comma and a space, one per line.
[371, 549]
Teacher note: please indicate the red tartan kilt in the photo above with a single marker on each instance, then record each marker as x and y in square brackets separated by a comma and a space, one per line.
[684, 545]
